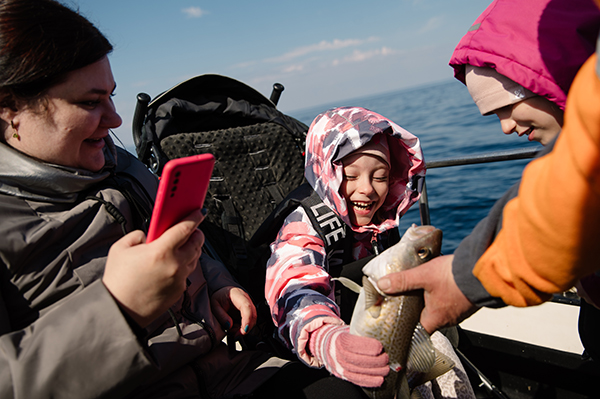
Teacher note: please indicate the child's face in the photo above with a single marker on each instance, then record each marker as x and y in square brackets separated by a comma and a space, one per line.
[365, 186]
[537, 117]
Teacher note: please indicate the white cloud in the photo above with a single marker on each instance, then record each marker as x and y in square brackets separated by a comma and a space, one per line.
[323, 45]
[194, 12]
[322, 56]
[360, 56]
[307, 54]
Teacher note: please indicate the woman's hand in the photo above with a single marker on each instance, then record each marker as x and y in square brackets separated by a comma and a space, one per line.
[234, 310]
[147, 279]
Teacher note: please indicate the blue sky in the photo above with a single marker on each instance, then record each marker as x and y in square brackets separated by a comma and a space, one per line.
[321, 51]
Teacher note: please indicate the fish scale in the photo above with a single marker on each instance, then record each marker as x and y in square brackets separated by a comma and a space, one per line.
[399, 315]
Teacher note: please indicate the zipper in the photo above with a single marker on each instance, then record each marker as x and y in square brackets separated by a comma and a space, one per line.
[375, 244]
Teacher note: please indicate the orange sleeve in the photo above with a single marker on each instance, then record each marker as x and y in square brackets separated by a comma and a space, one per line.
[550, 235]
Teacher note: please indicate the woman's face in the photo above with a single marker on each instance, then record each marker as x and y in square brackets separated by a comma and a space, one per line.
[69, 126]
[537, 117]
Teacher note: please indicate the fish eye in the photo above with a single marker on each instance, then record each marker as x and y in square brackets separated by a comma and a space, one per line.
[424, 253]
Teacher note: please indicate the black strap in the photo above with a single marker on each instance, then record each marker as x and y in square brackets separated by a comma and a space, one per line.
[232, 222]
[325, 221]
[328, 224]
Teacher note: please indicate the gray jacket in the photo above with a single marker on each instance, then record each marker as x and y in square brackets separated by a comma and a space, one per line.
[475, 244]
[61, 333]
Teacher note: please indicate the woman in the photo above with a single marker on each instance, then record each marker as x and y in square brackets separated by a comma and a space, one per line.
[84, 300]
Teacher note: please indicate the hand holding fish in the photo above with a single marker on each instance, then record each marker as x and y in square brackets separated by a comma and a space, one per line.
[445, 304]
[360, 360]
[393, 320]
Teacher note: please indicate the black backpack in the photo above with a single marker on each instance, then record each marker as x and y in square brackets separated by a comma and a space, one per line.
[258, 178]
[259, 155]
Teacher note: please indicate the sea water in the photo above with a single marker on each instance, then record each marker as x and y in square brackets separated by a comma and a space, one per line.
[448, 124]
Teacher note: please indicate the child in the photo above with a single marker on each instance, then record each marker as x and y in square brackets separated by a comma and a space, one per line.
[519, 58]
[366, 169]
[518, 61]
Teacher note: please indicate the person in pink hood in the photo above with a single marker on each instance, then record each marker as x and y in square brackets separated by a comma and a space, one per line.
[526, 53]
[367, 170]
[519, 58]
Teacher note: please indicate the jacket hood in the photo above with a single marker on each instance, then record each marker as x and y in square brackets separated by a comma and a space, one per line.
[538, 44]
[29, 178]
[340, 131]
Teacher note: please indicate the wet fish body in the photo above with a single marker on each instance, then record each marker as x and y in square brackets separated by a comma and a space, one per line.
[393, 320]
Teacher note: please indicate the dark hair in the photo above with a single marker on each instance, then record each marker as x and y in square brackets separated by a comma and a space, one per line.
[40, 42]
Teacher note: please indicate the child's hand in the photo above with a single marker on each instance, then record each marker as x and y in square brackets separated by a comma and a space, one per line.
[234, 309]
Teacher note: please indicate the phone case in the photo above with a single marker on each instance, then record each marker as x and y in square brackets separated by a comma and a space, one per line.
[181, 190]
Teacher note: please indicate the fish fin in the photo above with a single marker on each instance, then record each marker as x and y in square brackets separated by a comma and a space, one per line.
[442, 365]
[346, 282]
[416, 394]
[403, 389]
[372, 296]
[374, 311]
[421, 354]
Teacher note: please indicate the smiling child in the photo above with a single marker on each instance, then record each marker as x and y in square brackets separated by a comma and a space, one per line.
[366, 169]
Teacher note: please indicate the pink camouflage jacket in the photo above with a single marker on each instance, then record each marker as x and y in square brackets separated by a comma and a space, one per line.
[299, 289]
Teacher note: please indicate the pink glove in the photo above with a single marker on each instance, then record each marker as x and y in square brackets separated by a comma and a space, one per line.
[360, 360]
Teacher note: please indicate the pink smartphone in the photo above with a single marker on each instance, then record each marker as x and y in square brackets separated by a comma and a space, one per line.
[182, 189]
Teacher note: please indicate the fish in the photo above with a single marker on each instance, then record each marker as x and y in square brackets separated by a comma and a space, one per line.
[394, 320]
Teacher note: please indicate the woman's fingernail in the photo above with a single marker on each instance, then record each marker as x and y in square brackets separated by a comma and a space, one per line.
[227, 325]
[246, 329]
[204, 211]
[384, 283]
